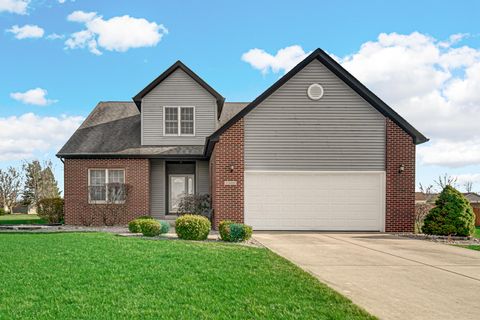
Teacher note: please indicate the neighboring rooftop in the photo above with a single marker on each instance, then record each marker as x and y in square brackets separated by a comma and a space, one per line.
[420, 197]
[114, 128]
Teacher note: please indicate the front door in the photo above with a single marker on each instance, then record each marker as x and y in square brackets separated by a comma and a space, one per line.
[179, 185]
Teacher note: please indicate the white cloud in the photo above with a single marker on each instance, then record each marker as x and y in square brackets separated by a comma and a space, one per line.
[61, 1]
[284, 60]
[114, 34]
[21, 137]
[55, 36]
[14, 6]
[27, 31]
[434, 84]
[81, 16]
[35, 96]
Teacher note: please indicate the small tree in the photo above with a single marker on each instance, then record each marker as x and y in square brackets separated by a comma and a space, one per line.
[10, 187]
[109, 211]
[452, 215]
[422, 209]
[40, 182]
[446, 180]
[198, 204]
[468, 185]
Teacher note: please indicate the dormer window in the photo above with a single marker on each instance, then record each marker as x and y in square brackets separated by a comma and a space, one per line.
[179, 121]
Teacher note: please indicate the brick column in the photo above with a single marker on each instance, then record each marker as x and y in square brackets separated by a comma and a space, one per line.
[400, 186]
[227, 184]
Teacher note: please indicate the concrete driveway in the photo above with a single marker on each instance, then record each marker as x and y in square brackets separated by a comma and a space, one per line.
[390, 277]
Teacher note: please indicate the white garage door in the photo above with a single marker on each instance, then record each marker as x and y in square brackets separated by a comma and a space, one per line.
[317, 200]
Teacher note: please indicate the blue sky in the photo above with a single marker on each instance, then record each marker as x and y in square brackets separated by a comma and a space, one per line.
[420, 57]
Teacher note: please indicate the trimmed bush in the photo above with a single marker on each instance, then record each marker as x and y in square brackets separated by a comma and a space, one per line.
[234, 232]
[224, 229]
[150, 227]
[192, 227]
[164, 227]
[2, 212]
[51, 209]
[134, 226]
[452, 215]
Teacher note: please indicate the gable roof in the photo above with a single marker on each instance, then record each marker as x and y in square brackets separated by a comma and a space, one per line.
[112, 130]
[179, 65]
[340, 72]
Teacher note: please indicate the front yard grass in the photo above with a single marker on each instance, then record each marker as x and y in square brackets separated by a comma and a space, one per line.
[103, 276]
[21, 219]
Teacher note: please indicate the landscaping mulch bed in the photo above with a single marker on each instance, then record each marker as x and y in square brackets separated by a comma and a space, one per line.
[442, 239]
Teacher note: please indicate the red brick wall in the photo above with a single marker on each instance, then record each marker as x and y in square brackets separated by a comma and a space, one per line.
[77, 209]
[400, 188]
[228, 200]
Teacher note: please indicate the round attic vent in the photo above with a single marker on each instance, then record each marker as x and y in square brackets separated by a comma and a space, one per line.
[315, 91]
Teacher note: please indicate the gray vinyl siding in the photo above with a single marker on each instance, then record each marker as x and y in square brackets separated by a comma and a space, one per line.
[203, 177]
[341, 131]
[179, 89]
[157, 188]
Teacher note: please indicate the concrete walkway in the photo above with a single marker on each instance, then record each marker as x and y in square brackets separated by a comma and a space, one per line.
[390, 277]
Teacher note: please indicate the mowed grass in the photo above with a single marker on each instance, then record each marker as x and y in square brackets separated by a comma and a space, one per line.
[103, 276]
[21, 219]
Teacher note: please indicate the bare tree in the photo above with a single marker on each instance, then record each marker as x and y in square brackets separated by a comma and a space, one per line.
[446, 180]
[110, 210]
[422, 209]
[468, 185]
[10, 187]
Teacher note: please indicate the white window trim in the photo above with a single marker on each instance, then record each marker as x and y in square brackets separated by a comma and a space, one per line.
[179, 120]
[90, 201]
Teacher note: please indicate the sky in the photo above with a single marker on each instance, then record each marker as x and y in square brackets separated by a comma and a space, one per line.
[58, 58]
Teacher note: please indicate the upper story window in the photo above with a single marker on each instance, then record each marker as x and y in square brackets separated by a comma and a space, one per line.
[179, 121]
[106, 186]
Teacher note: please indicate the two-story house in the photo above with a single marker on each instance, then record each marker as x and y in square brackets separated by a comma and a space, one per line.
[316, 151]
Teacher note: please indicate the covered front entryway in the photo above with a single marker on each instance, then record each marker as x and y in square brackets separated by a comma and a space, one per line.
[170, 180]
[315, 200]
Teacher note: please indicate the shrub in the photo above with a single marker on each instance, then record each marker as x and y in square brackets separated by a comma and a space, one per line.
[234, 232]
[195, 204]
[224, 229]
[192, 227]
[134, 226]
[2, 212]
[452, 215]
[150, 227]
[51, 209]
[164, 227]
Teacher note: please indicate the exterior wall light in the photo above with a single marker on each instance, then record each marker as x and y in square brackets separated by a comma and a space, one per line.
[232, 168]
[401, 168]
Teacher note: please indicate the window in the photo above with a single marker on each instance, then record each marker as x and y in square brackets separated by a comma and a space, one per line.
[106, 185]
[179, 121]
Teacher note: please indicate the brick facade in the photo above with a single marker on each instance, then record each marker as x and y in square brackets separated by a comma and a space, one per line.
[400, 186]
[228, 200]
[77, 209]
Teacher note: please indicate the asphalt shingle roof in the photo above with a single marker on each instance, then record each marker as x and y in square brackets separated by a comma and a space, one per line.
[113, 128]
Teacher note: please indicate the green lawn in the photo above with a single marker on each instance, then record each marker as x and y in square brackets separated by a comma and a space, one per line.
[21, 219]
[103, 276]
[471, 247]
[477, 232]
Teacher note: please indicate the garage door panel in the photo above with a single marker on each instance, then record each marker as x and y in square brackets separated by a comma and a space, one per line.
[315, 200]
